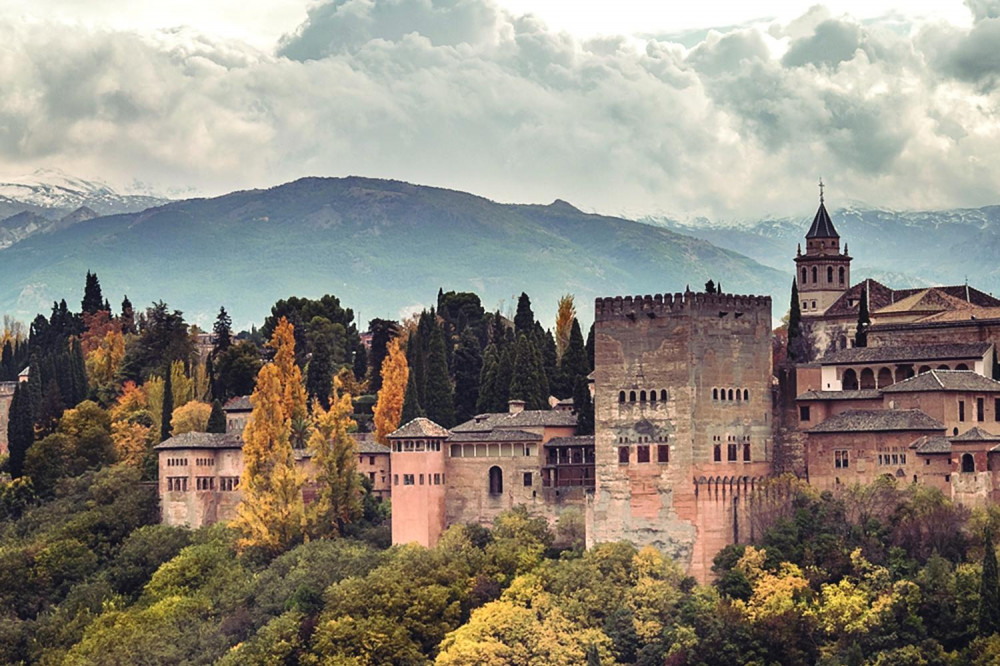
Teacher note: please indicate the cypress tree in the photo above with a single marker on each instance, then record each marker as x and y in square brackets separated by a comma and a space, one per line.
[20, 429]
[168, 406]
[504, 376]
[79, 372]
[545, 343]
[217, 419]
[527, 381]
[794, 325]
[128, 316]
[468, 364]
[411, 405]
[861, 335]
[487, 399]
[360, 365]
[7, 362]
[710, 287]
[223, 331]
[590, 347]
[542, 392]
[50, 408]
[92, 298]
[382, 330]
[497, 329]
[524, 319]
[439, 396]
[574, 363]
[583, 406]
[989, 589]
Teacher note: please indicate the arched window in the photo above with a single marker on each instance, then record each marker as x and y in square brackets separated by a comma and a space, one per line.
[943, 367]
[642, 396]
[850, 380]
[968, 463]
[621, 396]
[884, 377]
[663, 395]
[867, 379]
[739, 395]
[804, 276]
[829, 274]
[841, 275]
[715, 394]
[730, 394]
[652, 396]
[815, 275]
[631, 396]
[746, 395]
[961, 366]
[496, 480]
[923, 369]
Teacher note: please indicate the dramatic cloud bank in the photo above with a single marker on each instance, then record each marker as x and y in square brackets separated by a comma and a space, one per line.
[462, 94]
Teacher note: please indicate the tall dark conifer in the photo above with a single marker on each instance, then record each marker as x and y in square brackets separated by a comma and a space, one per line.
[989, 589]
[590, 347]
[573, 364]
[411, 404]
[487, 400]
[93, 300]
[861, 335]
[359, 364]
[20, 429]
[524, 319]
[382, 332]
[583, 406]
[223, 332]
[128, 316]
[217, 419]
[504, 376]
[528, 379]
[794, 325]
[439, 396]
[467, 363]
[168, 406]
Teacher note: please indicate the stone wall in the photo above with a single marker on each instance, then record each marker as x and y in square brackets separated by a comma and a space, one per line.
[694, 347]
[6, 394]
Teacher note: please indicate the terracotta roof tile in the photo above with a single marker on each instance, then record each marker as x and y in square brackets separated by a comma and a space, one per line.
[495, 436]
[576, 440]
[945, 380]
[202, 440]
[877, 420]
[240, 403]
[420, 427]
[913, 353]
[527, 419]
[931, 444]
[976, 435]
[864, 394]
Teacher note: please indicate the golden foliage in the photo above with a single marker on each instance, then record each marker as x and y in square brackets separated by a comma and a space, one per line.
[338, 490]
[182, 386]
[271, 514]
[389, 406]
[106, 356]
[131, 441]
[191, 417]
[345, 381]
[289, 375]
[565, 314]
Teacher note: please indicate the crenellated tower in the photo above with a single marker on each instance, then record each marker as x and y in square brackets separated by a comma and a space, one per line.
[823, 273]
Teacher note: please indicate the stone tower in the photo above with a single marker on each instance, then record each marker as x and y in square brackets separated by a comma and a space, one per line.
[823, 273]
[683, 420]
[417, 464]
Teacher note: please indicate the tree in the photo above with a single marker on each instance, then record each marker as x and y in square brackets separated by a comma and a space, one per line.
[236, 370]
[360, 363]
[163, 338]
[300, 311]
[326, 340]
[584, 407]
[394, 377]
[167, 413]
[710, 287]
[590, 347]
[528, 375]
[338, 486]
[487, 400]
[92, 298]
[127, 318]
[271, 514]
[382, 331]
[864, 321]
[20, 429]
[439, 400]
[573, 364]
[795, 352]
[191, 417]
[411, 403]
[565, 316]
[524, 319]
[222, 331]
[467, 365]
[217, 419]
[989, 589]
[289, 375]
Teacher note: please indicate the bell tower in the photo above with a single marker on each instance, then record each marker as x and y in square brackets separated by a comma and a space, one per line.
[823, 273]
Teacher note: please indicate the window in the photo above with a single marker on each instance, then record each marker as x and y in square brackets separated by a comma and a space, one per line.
[371, 476]
[642, 396]
[968, 463]
[421, 479]
[631, 396]
[804, 276]
[662, 453]
[717, 452]
[623, 455]
[731, 452]
[663, 395]
[177, 483]
[815, 274]
[715, 394]
[829, 273]
[961, 410]
[621, 396]
[204, 483]
[730, 394]
[395, 479]
[407, 479]
[996, 409]
[746, 451]
[496, 480]
[841, 275]
[980, 409]
[371, 460]
[437, 479]
[642, 454]
[814, 305]
[746, 395]
[805, 305]
[841, 459]
[229, 483]
[527, 479]
[652, 396]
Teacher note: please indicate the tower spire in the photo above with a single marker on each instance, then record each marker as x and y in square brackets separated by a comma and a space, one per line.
[821, 186]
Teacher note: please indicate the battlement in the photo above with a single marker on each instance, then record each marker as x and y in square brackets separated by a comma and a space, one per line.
[7, 388]
[629, 307]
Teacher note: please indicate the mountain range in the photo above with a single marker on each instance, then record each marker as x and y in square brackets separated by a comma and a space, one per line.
[383, 247]
[899, 248]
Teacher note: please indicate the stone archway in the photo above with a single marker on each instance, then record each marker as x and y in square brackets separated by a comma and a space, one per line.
[849, 380]
[867, 379]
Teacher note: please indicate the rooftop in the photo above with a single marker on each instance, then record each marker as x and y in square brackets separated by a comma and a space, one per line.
[877, 420]
[576, 440]
[976, 435]
[420, 427]
[912, 353]
[240, 403]
[822, 226]
[863, 394]
[202, 440]
[931, 444]
[367, 444]
[945, 380]
[495, 436]
[529, 418]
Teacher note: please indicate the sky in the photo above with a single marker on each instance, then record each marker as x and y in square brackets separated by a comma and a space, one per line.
[723, 110]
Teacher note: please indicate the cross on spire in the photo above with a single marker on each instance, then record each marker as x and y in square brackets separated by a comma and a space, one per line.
[821, 186]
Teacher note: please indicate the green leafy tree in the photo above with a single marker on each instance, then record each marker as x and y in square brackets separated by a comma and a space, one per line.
[167, 413]
[236, 370]
[989, 590]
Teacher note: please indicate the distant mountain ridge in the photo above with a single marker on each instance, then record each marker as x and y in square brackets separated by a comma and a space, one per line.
[901, 249]
[383, 247]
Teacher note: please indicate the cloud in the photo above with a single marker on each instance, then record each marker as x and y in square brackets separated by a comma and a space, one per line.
[462, 94]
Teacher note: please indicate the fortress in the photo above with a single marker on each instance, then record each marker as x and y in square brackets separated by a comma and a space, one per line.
[692, 419]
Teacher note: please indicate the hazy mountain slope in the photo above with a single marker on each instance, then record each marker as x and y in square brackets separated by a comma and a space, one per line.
[381, 246]
[901, 248]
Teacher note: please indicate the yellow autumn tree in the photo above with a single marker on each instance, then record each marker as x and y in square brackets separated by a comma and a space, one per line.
[131, 425]
[293, 391]
[565, 314]
[190, 417]
[103, 361]
[389, 405]
[182, 386]
[270, 516]
[338, 486]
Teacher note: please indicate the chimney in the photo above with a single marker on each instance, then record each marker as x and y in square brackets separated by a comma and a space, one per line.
[515, 406]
